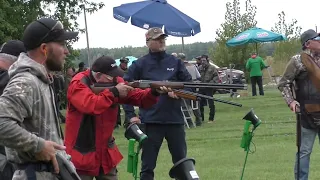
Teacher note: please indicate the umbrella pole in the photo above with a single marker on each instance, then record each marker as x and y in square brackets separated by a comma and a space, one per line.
[257, 48]
[86, 28]
[182, 49]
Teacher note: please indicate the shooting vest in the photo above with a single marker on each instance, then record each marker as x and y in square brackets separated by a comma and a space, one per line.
[308, 91]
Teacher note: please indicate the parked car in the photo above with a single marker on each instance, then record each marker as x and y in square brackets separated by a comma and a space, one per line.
[232, 75]
[237, 76]
[228, 75]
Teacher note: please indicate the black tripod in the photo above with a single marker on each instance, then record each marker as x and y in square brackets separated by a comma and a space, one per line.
[298, 140]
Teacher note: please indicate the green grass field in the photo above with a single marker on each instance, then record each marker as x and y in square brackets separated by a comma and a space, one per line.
[216, 147]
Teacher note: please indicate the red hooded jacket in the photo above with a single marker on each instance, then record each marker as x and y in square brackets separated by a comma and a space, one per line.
[90, 121]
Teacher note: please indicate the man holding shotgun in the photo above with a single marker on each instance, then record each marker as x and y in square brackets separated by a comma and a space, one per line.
[303, 71]
[91, 117]
[164, 119]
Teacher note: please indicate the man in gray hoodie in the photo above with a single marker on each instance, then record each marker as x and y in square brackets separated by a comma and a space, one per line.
[9, 52]
[29, 124]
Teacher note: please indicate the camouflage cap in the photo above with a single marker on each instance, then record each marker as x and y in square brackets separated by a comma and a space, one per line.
[154, 33]
[124, 59]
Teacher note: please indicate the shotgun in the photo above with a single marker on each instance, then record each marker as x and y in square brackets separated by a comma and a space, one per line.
[177, 88]
[67, 169]
[143, 84]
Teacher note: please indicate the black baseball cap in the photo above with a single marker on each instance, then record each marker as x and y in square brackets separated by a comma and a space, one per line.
[45, 30]
[204, 56]
[181, 56]
[124, 60]
[107, 65]
[13, 47]
[308, 35]
[81, 64]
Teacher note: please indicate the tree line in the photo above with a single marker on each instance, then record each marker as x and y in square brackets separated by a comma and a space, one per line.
[190, 50]
[15, 15]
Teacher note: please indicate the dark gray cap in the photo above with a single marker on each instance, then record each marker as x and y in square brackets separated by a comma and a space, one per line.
[13, 47]
[181, 56]
[308, 35]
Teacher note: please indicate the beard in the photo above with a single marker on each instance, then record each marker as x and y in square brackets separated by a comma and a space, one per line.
[162, 49]
[52, 62]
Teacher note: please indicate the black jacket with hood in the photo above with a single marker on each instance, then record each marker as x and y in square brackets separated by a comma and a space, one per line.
[4, 79]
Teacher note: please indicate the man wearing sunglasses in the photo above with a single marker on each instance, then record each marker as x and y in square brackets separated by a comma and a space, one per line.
[29, 125]
[300, 92]
[91, 118]
[164, 119]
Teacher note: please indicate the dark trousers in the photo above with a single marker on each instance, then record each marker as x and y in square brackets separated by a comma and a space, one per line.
[175, 136]
[119, 116]
[126, 118]
[203, 102]
[256, 80]
[212, 108]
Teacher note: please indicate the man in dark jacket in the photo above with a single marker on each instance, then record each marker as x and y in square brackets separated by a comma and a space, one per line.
[164, 119]
[209, 74]
[81, 67]
[9, 53]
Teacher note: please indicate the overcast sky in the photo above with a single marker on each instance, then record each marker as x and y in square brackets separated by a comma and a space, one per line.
[105, 31]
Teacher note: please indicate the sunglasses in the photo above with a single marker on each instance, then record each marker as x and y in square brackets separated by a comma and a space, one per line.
[54, 32]
[158, 39]
[316, 38]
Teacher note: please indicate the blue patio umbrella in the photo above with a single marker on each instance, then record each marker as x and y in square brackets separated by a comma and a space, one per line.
[157, 13]
[131, 59]
[255, 35]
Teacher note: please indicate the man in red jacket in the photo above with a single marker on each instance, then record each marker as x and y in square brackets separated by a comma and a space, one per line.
[90, 118]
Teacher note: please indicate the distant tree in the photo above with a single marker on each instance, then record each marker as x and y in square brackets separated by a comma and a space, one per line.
[285, 49]
[191, 51]
[235, 23]
[15, 15]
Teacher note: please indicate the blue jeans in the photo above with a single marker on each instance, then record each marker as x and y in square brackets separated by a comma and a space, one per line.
[308, 137]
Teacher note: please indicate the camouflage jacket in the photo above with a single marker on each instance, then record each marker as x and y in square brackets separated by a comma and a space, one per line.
[293, 69]
[28, 113]
[209, 74]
